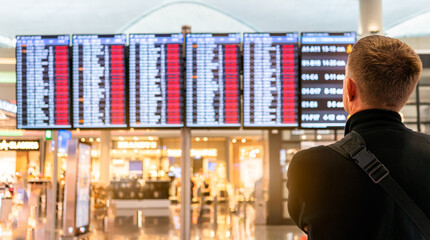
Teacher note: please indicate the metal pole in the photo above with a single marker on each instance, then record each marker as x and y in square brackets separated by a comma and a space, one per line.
[185, 184]
[185, 166]
[53, 205]
[417, 90]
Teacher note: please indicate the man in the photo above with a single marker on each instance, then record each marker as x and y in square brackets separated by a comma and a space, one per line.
[333, 198]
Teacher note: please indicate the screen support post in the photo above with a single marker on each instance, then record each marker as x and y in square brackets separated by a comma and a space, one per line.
[185, 184]
[52, 200]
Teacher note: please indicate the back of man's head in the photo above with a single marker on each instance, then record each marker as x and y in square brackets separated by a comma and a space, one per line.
[386, 71]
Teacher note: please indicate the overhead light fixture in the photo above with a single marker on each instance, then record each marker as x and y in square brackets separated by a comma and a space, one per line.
[118, 161]
[197, 139]
[205, 139]
[234, 140]
[243, 140]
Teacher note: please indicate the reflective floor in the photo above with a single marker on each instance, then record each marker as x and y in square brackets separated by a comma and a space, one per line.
[213, 222]
[239, 225]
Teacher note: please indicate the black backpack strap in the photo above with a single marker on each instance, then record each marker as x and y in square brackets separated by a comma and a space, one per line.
[353, 146]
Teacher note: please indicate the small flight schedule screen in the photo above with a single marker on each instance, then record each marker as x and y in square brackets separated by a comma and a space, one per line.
[156, 80]
[270, 79]
[99, 81]
[324, 57]
[212, 80]
[42, 71]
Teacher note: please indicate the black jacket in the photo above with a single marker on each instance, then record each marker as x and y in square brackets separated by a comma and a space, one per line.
[337, 200]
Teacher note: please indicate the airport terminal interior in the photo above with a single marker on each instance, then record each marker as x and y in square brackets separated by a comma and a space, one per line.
[176, 119]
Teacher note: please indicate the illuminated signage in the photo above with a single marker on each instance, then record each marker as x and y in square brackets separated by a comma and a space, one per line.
[12, 145]
[210, 152]
[136, 144]
[48, 134]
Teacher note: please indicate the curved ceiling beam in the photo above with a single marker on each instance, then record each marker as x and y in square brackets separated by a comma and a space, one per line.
[407, 23]
[147, 13]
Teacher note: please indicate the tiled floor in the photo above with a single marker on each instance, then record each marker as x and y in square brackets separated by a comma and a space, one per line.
[136, 226]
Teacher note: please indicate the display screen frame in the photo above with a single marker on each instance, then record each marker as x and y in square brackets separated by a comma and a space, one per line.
[239, 83]
[182, 90]
[321, 126]
[70, 110]
[126, 83]
[297, 90]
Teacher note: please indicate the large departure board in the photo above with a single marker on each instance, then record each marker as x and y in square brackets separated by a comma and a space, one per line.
[212, 80]
[270, 79]
[42, 71]
[99, 99]
[324, 57]
[156, 80]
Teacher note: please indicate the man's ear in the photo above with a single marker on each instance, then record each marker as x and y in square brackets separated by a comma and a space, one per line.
[351, 89]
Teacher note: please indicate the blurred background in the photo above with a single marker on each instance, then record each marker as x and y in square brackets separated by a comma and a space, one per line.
[237, 176]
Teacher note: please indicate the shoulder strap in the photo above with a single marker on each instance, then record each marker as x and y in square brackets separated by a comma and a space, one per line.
[353, 146]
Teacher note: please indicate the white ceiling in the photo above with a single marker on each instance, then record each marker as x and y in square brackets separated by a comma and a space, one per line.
[112, 16]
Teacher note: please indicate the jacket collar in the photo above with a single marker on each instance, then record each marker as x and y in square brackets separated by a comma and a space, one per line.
[373, 118]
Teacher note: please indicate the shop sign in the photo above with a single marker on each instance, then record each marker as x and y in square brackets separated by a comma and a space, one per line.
[206, 152]
[136, 144]
[48, 134]
[16, 145]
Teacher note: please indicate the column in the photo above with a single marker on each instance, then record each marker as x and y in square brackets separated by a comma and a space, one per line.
[370, 17]
[105, 157]
[274, 205]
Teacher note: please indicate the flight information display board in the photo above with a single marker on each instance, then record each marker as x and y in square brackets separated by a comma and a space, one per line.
[324, 57]
[156, 80]
[212, 80]
[99, 99]
[270, 79]
[42, 82]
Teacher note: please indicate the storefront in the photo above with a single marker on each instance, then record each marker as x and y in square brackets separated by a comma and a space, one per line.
[19, 157]
[221, 166]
